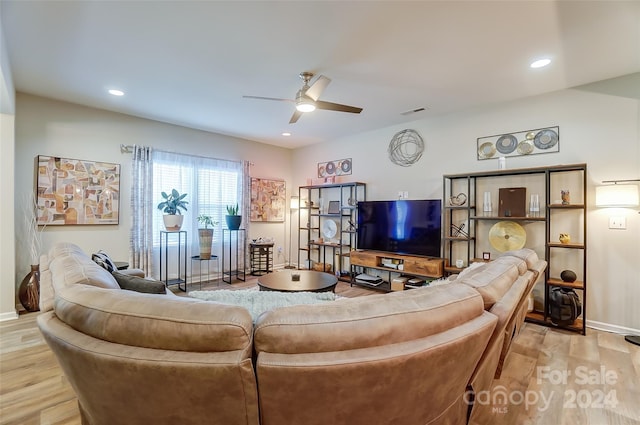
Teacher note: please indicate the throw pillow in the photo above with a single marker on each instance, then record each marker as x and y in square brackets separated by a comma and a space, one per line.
[138, 284]
[104, 261]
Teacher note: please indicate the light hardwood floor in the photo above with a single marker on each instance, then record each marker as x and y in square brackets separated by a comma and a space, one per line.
[567, 378]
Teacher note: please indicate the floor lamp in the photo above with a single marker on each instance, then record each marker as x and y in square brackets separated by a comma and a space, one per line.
[294, 205]
[622, 196]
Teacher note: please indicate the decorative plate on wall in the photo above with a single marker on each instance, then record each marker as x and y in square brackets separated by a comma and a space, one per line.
[525, 147]
[529, 142]
[506, 143]
[545, 139]
[486, 150]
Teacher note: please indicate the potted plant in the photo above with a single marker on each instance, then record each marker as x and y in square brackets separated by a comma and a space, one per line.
[171, 206]
[205, 235]
[233, 219]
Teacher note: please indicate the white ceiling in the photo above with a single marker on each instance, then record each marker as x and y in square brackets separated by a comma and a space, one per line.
[190, 62]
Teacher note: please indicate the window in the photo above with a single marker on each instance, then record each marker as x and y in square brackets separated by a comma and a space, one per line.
[211, 184]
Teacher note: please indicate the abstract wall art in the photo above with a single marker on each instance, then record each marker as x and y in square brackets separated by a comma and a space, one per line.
[76, 191]
[267, 200]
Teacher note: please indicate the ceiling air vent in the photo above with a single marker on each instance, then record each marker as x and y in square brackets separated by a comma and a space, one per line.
[413, 111]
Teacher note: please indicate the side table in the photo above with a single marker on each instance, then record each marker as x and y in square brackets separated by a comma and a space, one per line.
[196, 258]
[261, 258]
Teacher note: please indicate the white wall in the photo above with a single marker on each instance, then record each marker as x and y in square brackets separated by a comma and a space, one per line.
[7, 219]
[598, 129]
[49, 127]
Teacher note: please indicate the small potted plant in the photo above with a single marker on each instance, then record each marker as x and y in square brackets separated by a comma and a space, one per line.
[171, 206]
[233, 219]
[205, 235]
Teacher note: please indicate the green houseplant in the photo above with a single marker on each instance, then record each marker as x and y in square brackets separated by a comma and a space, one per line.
[232, 218]
[172, 205]
[205, 235]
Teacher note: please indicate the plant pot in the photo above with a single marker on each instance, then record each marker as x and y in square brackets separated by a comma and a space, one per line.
[173, 222]
[233, 221]
[205, 236]
[29, 290]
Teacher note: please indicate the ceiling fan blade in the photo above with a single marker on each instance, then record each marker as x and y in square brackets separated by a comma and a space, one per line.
[337, 107]
[318, 87]
[268, 98]
[296, 115]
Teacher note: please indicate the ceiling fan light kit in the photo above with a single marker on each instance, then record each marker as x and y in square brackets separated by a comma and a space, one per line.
[307, 98]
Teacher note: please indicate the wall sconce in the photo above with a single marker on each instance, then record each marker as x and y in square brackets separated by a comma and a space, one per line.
[618, 195]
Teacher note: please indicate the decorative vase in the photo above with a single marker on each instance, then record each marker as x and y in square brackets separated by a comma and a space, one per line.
[565, 238]
[233, 221]
[29, 290]
[568, 276]
[486, 204]
[205, 236]
[173, 222]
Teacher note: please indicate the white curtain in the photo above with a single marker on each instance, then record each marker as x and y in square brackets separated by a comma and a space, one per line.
[141, 236]
[246, 205]
[211, 185]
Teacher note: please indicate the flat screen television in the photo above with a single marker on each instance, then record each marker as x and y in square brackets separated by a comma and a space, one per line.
[402, 226]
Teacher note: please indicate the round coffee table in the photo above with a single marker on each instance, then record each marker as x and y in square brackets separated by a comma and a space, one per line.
[310, 281]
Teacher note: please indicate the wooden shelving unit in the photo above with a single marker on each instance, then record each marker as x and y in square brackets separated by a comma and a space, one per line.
[553, 215]
[314, 207]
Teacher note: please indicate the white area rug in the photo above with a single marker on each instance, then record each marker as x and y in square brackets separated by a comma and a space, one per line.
[257, 302]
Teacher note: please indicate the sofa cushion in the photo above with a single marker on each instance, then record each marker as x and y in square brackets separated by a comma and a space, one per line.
[102, 259]
[139, 284]
[492, 281]
[153, 320]
[364, 322]
[518, 262]
[73, 269]
[528, 255]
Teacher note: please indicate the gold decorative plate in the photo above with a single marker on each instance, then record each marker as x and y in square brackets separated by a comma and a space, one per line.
[486, 150]
[507, 236]
[525, 147]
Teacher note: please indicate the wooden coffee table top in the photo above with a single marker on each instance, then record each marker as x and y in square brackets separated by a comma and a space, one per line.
[310, 281]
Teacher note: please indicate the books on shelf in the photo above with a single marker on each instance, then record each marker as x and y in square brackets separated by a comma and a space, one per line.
[368, 279]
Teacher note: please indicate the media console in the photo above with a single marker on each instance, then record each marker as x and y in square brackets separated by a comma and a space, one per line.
[387, 264]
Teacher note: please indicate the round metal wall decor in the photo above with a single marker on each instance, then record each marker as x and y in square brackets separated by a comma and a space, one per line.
[406, 148]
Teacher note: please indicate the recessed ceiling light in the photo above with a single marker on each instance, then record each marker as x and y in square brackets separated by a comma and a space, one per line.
[116, 92]
[286, 134]
[540, 63]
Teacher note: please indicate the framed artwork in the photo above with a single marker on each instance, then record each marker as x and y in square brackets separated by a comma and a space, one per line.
[338, 167]
[76, 191]
[267, 200]
[521, 143]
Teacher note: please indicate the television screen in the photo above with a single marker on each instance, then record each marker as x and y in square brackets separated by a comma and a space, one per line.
[402, 226]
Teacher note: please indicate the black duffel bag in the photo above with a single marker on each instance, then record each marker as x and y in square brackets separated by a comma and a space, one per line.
[564, 306]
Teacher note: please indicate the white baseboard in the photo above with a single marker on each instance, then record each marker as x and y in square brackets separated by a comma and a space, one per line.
[622, 330]
[10, 315]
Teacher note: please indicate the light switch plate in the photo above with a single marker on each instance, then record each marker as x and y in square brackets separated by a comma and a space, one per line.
[619, 223]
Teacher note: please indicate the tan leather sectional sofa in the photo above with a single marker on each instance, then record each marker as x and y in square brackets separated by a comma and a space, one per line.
[405, 358]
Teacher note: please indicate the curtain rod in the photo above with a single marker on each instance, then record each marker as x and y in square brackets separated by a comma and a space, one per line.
[129, 149]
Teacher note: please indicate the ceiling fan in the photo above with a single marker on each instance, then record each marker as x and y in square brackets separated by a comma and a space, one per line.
[307, 98]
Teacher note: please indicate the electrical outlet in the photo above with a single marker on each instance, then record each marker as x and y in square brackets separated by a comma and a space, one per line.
[279, 250]
[619, 223]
